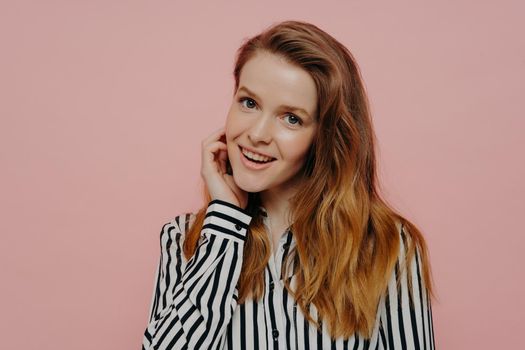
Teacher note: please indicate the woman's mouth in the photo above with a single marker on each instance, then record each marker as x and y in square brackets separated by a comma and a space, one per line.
[255, 161]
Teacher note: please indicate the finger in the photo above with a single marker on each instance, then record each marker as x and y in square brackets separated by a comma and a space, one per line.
[222, 158]
[223, 153]
[214, 136]
[215, 147]
[214, 150]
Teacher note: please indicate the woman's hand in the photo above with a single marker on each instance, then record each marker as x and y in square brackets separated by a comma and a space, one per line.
[214, 171]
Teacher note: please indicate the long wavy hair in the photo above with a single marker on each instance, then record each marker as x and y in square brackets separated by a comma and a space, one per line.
[347, 242]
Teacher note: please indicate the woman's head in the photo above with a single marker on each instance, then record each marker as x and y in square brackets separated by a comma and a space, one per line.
[296, 63]
[347, 237]
[273, 114]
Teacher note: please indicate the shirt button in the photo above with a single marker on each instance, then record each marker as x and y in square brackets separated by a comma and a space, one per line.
[271, 286]
[238, 227]
[275, 334]
[286, 246]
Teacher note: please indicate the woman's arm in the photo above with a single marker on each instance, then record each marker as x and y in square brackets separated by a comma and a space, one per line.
[406, 323]
[193, 302]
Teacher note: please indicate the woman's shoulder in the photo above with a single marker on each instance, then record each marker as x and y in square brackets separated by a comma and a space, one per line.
[179, 224]
[405, 237]
[173, 234]
[412, 252]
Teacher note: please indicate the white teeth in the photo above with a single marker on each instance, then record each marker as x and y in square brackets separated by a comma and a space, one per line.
[255, 156]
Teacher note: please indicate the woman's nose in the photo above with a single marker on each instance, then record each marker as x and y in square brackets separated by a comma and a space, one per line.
[261, 130]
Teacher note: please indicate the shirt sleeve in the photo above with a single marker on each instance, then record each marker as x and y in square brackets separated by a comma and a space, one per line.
[406, 323]
[193, 301]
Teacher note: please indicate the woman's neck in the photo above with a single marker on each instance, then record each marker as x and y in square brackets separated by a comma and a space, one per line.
[277, 206]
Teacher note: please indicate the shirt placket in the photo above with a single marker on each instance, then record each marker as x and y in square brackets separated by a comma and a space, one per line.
[275, 287]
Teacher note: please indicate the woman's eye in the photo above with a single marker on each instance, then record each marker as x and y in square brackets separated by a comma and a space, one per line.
[251, 103]
[294, 120]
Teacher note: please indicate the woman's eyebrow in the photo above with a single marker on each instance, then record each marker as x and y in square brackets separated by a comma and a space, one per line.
[293, 108]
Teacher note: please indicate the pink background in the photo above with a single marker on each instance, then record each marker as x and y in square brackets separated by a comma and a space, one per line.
[104, 105]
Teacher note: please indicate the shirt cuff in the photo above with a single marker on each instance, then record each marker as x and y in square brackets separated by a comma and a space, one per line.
[226, 219]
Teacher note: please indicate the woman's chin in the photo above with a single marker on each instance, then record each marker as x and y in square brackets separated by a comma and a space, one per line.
[247, 186]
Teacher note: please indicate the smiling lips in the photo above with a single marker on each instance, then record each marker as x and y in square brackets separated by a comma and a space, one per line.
[255, 156]
[254, 164]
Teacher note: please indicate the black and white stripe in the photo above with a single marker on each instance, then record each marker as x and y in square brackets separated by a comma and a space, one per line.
[194, 303]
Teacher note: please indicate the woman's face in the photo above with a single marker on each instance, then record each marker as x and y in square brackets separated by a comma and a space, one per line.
[272, 113]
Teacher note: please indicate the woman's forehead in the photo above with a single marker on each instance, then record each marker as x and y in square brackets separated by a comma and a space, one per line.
[273, 81]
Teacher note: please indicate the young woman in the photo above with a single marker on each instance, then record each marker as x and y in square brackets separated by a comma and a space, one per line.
[294, 248]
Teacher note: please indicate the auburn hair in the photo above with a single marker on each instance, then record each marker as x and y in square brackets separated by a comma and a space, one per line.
[347, 242]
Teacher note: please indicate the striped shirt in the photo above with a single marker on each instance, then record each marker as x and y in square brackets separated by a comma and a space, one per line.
[194, 302]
